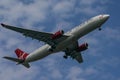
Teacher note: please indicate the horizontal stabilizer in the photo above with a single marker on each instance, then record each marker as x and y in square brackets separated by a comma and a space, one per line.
[26, 65]
[19, 61]
[13, 59]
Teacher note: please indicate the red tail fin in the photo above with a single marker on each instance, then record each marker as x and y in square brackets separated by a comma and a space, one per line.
[21, 54]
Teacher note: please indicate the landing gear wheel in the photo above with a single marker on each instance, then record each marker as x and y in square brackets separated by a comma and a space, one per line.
[53, 47]
[99, 29]
[65, 56]
[51, 50]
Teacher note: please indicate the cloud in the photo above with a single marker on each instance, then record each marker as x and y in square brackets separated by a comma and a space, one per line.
[36, 12]
[91, 7]
[56, 74]
[25, 14]
[74, 73]
[8, 72]
[113, 33]
[64, 9]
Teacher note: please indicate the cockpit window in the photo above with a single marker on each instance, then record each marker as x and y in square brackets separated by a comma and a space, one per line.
[101, 16]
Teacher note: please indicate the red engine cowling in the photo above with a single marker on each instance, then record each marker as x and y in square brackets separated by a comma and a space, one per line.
[83, 47]
[57, 35]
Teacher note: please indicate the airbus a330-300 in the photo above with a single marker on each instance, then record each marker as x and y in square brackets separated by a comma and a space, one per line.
[56, 42]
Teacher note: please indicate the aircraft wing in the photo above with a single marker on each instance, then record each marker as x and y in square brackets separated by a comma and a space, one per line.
[73, 53]
[41, 36]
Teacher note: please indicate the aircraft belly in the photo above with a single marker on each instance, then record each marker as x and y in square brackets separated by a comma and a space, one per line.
[38, 54]
[85, 29]
[63, 45]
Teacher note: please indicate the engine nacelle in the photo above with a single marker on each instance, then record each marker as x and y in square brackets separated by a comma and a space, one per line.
[82, 47]
[57, 35]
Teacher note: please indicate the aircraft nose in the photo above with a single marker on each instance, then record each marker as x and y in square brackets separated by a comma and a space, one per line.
[106, 16]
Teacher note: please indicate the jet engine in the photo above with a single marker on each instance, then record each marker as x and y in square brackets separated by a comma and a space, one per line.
[57, 34]
[82, 47]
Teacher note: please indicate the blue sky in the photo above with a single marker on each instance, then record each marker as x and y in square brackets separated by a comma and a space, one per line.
[101, 60]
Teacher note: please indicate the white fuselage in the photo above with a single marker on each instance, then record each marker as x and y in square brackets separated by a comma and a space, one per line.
[74, 34]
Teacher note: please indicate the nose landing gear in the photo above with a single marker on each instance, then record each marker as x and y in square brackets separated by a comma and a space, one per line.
[99, 29]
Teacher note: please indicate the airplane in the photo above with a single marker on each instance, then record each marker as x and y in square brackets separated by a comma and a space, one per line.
[58, 41]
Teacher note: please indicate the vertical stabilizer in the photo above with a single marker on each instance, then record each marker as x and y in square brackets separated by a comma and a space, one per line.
[21, 54]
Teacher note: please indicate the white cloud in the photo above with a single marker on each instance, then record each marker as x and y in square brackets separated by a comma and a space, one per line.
[8, 72]
[64, 9]
[91, 7]
[25, 14]
[112, 33]
[74, 73]
[56, 74]
[63, 25]
[40, 11]
[87, 2]
[90, 71]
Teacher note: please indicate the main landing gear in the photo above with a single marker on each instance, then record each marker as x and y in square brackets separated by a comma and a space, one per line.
[65, 56]
[52, 48]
